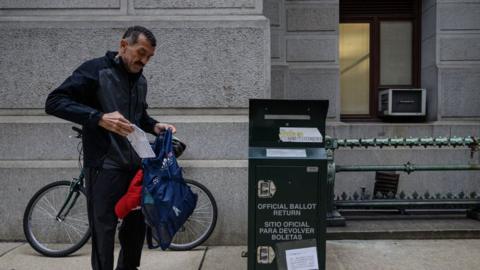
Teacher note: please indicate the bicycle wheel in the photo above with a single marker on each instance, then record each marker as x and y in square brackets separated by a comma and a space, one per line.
[53, 235]
[201, 223]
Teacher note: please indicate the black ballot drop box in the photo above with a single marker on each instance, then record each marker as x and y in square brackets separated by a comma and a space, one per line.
[287, 167]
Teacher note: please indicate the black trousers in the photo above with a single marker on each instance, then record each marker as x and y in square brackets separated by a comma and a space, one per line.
[104, 189]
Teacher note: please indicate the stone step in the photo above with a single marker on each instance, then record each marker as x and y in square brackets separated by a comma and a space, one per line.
[227, 180]
[226, 137]
[47, 138]
[452, 226]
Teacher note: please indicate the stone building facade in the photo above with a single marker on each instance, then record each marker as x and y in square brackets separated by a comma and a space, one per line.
[212, 56]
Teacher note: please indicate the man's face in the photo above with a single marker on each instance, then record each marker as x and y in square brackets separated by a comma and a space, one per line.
[136, 56]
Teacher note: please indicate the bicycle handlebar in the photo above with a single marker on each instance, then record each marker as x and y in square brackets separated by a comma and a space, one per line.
[178, 146]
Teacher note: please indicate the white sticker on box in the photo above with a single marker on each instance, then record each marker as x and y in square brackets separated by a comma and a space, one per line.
[302, 259]
[300, 134]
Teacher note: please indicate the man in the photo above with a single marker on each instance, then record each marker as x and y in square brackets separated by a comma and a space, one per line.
[107, 95]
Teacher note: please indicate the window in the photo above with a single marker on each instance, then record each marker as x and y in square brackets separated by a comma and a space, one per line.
[355, 68]
[379, 45]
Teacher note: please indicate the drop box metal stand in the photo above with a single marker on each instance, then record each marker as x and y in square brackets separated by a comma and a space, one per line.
[287, 184]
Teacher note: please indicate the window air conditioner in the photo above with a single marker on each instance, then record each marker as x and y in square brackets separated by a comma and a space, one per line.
[402, 102]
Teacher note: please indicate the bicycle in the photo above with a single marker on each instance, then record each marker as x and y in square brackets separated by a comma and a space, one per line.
[55, 222]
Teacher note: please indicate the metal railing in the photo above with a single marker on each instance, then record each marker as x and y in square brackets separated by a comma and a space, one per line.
[334, 218]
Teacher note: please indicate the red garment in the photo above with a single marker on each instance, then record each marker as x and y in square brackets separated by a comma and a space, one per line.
[131, 199]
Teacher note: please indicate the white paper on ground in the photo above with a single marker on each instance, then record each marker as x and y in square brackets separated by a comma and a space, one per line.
[138, 140]
[300, 134]
[271, 152]
[302, 259]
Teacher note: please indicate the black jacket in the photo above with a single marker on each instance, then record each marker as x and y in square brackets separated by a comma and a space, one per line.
[98, 86]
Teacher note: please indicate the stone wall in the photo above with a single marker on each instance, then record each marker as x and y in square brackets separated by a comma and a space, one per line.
[304, 52]
[211, 57]
[304, 47]
[451, 58]
[198, 63]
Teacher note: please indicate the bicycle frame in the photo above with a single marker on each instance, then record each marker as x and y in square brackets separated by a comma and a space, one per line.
[75, 193]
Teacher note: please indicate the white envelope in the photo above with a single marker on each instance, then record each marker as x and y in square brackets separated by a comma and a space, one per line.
[138, 140]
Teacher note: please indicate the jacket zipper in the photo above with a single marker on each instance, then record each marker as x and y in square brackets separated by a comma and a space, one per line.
[131, 119]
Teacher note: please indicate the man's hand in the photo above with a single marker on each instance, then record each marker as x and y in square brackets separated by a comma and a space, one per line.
[159, 127]
[115, 122]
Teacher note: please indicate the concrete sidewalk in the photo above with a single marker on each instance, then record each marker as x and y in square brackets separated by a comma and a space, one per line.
[341, 255]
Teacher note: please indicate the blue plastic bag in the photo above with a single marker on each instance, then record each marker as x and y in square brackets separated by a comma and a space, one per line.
[167, 201]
